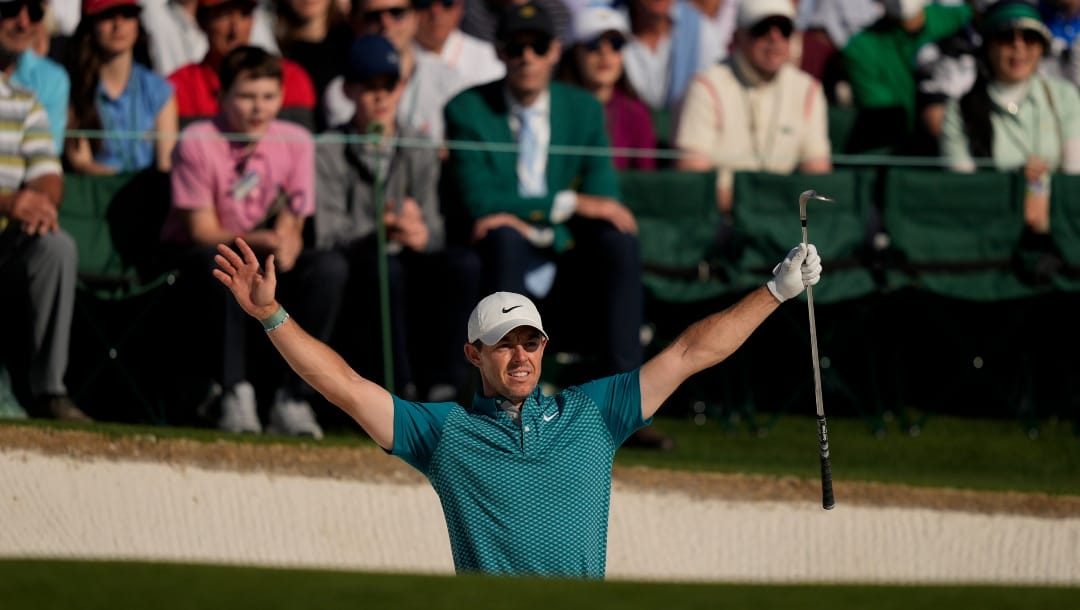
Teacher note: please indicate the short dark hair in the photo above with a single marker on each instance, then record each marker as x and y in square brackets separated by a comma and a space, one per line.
[252, 62]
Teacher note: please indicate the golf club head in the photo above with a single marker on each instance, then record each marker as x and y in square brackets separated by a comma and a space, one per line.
[808, 195]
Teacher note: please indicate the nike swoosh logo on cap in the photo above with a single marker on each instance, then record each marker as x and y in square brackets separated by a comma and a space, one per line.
[509, 309]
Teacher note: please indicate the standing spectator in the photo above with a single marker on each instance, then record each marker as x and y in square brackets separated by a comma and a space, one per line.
[880, 63]
[38, 259]
[44, 77]
[246, 173]
[672, 41]
[550, 225]
[1014, 116]
[439, 34]
[113, 92]
[316, 35]
[177, 40]
[429, 83]
[228, 25]
[755, 111]
[426, 341]
[594, 62]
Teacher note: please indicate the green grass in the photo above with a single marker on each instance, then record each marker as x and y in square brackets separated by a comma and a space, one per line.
[43, 585]
[949, 451]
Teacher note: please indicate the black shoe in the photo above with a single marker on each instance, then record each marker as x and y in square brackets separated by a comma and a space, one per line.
[59, 407]
[650, 438]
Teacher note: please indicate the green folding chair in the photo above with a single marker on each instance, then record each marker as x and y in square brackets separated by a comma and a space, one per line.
[766, 224]
[115, 364]
[954, 238]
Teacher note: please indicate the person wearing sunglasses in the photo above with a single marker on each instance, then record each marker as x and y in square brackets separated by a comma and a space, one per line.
[46, 78]
[880, 63]
[429, 84]
[546, 223]
[228, 25]
[426, 341]
[1013, 115]
[439, 34]
[595, 63]
[113, 91]
[38, 258]
[755, 111]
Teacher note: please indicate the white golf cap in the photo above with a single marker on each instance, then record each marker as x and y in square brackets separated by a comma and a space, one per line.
[593, 20]
[753, 11]
[499, 313]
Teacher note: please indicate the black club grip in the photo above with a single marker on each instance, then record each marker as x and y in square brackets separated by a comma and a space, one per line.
[827, 499]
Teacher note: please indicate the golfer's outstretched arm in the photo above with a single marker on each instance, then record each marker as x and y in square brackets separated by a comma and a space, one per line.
[711, 340]
[366, 402]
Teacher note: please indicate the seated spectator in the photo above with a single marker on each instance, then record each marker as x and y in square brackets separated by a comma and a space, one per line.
[426, 342]
[113, 92]
[439, 34]
[671, 42]
[228, 25]
[246, 173]
[429, 84]
[1014, 116]
[550, 226]
[594, 62]
[755, 111]
[177, 40]
[482, 16]
[38, 259]
[41, 75]
[880, 64]
[316, 35]
[946, 69]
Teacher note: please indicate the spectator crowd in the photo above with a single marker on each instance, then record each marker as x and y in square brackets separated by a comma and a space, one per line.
[450, 146]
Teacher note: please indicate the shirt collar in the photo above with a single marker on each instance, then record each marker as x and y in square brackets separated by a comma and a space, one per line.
[489, 405]
[541, 106]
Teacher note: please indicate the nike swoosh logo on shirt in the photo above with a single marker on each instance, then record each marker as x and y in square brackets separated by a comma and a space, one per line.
[550, 417]
[509, 309]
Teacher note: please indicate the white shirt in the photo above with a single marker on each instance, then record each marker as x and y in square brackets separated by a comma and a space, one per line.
[473, 59]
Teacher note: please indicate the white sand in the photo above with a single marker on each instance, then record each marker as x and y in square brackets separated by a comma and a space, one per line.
[52, 506]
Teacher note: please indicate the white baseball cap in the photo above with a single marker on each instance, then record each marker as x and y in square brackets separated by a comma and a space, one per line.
[499, 313]
[753, 11]
[593, 20]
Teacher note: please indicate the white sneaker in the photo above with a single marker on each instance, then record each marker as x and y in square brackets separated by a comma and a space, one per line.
[293, 417]
[239, 413]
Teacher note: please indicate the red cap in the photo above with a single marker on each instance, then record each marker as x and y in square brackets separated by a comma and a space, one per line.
[93, 7]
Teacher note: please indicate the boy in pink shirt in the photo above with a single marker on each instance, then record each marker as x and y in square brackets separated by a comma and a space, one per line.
[246, 173]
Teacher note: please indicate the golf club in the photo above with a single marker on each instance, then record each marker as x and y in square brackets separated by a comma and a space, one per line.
[827, 499]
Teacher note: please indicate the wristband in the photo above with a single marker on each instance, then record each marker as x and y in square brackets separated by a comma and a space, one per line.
[276, 319]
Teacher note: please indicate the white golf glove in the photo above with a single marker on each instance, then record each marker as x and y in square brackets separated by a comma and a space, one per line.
[799, 269]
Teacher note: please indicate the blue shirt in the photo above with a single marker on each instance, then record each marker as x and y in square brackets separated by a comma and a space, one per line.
[50, 83]
[134, 112]
[528, 497]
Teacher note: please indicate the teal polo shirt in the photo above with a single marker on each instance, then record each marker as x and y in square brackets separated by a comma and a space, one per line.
[530, 497]
[50, 83]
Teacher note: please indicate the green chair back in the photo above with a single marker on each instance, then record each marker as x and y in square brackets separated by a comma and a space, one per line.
[678, 222]
[956, 234]
[766, 225]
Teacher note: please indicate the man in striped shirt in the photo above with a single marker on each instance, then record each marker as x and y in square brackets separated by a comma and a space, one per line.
[38, 260]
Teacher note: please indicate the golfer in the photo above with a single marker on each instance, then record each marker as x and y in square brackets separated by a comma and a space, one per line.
[524, 479]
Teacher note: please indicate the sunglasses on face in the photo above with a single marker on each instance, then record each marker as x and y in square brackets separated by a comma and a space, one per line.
[615, 42]
[516, 48]
[763, 27]
[426, 4]
[34, 10]
[1029, 37]
[376, 16]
